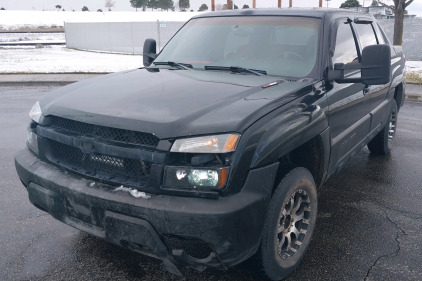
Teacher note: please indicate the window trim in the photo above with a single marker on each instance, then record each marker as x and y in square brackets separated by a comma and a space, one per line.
[334, 31]
[357, 33]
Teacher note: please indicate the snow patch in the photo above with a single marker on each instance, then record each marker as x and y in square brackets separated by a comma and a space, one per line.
[59, 59]
[414, 66]
[135, 193]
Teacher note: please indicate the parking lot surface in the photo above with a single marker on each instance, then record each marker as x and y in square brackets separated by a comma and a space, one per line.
[368, 227]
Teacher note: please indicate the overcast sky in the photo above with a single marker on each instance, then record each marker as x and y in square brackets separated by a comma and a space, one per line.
[124, 5]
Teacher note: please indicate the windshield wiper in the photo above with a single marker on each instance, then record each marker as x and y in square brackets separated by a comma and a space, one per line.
[236, 69]
[179, 65]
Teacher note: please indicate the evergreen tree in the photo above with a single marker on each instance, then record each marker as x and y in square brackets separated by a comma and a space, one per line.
[138, 4]
[350, 4]
[204, 7]
[85, 9]
[184, 4]
[165, 4]
[153, 4]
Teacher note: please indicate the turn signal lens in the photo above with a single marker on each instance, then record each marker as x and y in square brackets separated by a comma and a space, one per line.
[207, 144]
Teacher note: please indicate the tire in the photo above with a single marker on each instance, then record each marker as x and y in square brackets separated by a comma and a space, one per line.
[295, 195]
[382, 143]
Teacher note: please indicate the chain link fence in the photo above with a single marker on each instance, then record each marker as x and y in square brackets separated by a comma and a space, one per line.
[412, 36]
[118, 37]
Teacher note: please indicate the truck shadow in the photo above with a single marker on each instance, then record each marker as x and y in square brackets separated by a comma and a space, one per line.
[351, 233]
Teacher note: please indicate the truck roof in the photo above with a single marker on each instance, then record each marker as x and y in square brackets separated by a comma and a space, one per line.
[305, 12]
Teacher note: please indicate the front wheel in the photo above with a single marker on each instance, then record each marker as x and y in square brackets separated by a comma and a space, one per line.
[382, 143]
[289, 224]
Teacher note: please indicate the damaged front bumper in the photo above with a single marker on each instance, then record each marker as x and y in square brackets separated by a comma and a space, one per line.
[171, 228]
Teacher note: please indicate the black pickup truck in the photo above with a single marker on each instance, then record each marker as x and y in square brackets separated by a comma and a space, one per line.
[212, 153]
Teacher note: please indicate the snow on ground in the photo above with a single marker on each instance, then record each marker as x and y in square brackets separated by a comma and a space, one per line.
[19, 19]
[414, 66]
[31, 37]
[59, 59]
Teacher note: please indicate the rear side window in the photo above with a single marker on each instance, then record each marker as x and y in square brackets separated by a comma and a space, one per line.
[345, 48]
[366, 35]
[383, 38]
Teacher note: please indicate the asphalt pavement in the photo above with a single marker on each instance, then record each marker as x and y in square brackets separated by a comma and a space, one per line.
[413, 91]
[368, 227]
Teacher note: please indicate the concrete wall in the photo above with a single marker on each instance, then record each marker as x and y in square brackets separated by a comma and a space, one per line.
[412, 36]
[118, 37]
[129, 37]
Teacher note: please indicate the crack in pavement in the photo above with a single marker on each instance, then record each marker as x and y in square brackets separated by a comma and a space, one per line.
[395, 252]
[418, 216]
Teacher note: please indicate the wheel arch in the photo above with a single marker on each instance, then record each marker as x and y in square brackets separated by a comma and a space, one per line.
[312, 155]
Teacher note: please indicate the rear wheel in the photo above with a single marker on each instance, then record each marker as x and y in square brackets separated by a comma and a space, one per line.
[289, 224]
[382, 143]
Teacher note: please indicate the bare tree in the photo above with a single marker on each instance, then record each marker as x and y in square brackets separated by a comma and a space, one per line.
[109, 4]
[398, 8]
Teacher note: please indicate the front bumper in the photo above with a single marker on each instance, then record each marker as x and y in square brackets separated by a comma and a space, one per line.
[230, 226]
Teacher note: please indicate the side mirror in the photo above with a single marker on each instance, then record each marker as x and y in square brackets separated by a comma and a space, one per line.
[375, 67]
[149, 52]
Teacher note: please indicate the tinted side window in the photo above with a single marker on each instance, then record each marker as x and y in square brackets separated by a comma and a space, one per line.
[379, 34]
[384, 37]
[366, 35]
[345, 49]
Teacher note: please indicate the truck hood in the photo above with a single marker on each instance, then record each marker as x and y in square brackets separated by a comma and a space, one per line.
[171, 103]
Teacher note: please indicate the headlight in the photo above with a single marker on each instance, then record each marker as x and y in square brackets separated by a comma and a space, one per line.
[35, 112]
[208, 144]
[192, 177]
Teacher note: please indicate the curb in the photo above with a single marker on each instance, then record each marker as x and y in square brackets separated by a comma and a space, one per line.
[413, 98]
[59, 79]
[413, 91]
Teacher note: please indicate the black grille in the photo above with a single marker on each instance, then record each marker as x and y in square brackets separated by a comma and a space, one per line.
[101, 166]
[106, 133]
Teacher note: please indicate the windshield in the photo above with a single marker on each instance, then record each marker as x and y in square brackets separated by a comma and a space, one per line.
[281, 46]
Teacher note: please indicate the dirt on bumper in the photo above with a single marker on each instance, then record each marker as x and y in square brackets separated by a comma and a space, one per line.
[165, 227]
